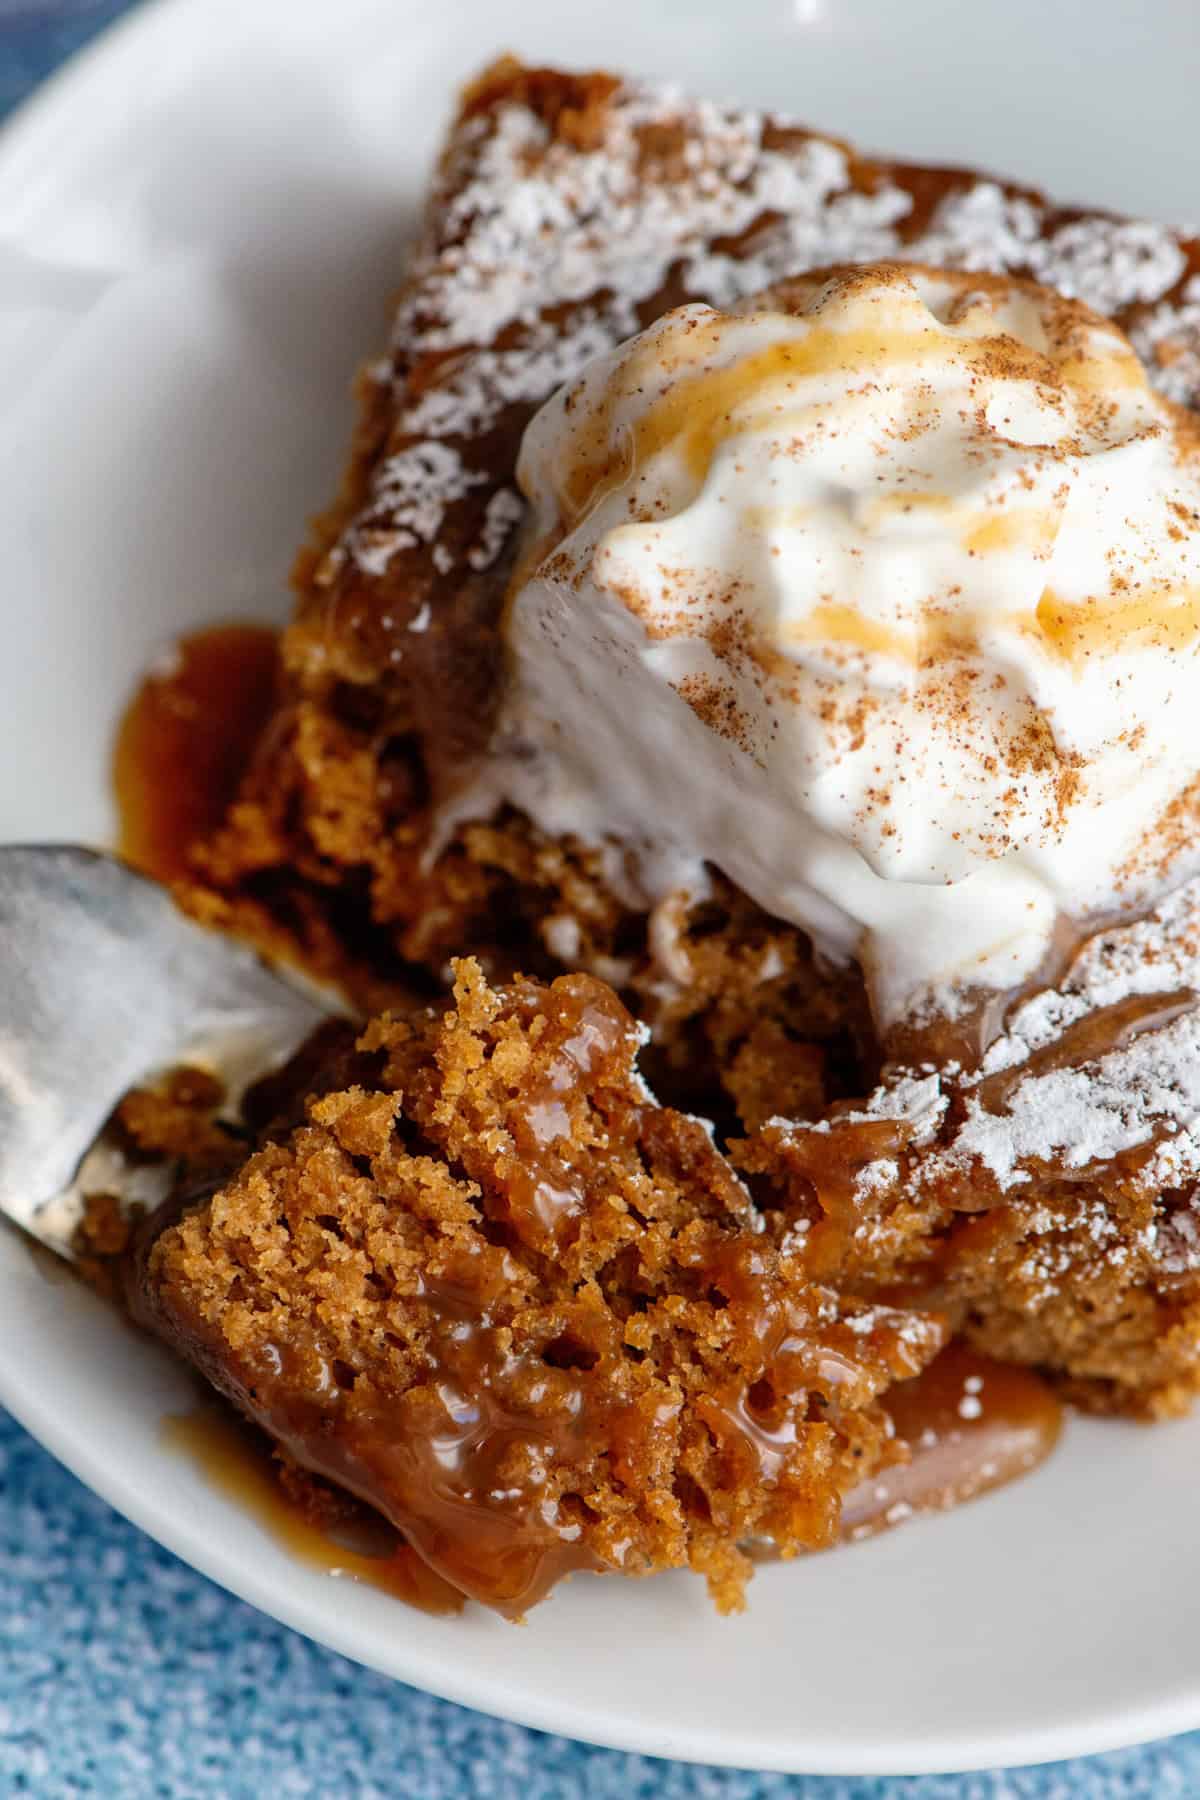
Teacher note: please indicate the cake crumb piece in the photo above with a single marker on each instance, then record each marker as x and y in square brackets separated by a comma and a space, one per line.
[533, 1317]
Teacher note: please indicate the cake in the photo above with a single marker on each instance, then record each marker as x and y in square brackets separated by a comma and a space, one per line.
[566, 212]
[493, 1289]
[1011, 1160]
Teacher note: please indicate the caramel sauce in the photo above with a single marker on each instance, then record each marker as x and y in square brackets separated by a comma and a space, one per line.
[472, 1416]
[237, 1462]
[542, 1192]
[448, 1465]
[965, 1038]
[984, 1013]
[1072, 631]
[848, 626]
[972, 1425]
[703, 406]
[449, 1469]
[444, 1464]
[1013, 1424]
[699, 410]
[185, 739]
[936, 633]
[1011, 528]
[1098, 1033]
[1004, 527]
[1159, 614]
[697, 414]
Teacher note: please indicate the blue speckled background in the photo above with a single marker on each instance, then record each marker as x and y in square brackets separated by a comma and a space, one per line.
[125, 1675]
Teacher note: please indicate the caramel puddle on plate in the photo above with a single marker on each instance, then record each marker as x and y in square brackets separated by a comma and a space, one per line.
[239, 1464]
[185, 738]
[972, 1424]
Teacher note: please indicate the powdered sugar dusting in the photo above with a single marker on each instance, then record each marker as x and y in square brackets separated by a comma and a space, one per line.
[823, 220]
[983, 227]
[1046, 1103]
[409, 496]
[1159, 954]
[1110, 263]
[504, 510]
[916, 1100]
[1168, 342]
[1074, 1112]
[1080, 1117]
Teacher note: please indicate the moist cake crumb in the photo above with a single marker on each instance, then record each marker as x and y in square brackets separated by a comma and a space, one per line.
[494, 1289]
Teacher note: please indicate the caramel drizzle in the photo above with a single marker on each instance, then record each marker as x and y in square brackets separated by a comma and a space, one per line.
[702, 408]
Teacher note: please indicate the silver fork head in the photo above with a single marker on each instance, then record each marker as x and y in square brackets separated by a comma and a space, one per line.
[103, 981]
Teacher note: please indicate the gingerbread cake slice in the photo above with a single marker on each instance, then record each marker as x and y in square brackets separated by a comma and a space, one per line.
[492, 1288]
[1033, 1181]
[1046, 1193]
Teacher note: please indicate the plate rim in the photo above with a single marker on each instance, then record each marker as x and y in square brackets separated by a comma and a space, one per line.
[105, 62]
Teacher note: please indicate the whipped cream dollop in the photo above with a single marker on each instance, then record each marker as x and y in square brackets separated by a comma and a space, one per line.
[882, 595]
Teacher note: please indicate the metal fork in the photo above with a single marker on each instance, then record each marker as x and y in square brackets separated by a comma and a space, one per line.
[104, 982]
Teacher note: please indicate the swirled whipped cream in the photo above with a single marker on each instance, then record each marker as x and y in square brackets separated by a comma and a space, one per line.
[882, 595]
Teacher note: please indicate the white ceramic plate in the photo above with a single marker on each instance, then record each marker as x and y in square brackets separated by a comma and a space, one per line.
[199, 223]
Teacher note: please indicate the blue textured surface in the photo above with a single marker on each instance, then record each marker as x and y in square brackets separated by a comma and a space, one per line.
[35, 36]
[124, 1674]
